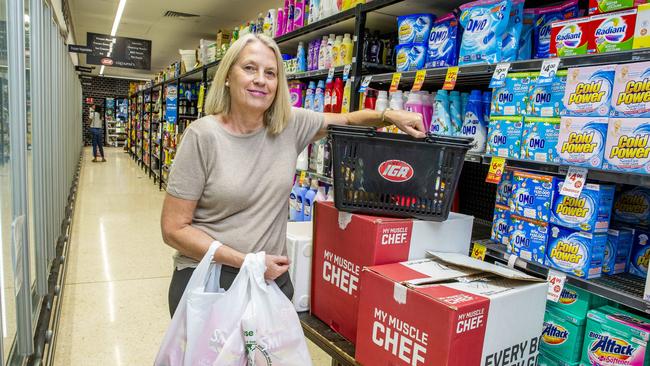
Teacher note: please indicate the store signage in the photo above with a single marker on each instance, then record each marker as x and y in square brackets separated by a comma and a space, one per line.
[79, 49]
[130, 53]
[548, 71]
[497, 166]
[499, 76]
[364, 83]
[394, 83]
[574, 182]
[84, 68]
[90, 101]
[420, 75]
[171, 103]
[478, 251]
[556, 282]
[450, 78]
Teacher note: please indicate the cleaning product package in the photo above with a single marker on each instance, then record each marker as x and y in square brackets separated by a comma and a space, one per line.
[572, 37]
[614, 31]
[590, 212]
[510, 40]
[544, 18]
[642, 27]
[617, 251]
[504, 188]
[632, 206]
[410, 56]
[631, 91]
[546, 100]
[528, 238]
[455, 113]
[563, 334]
[441, 119]
[627, 148]
[525, 50]
[500, 225]
[414, 28]
[510, 100]
[539, 139]
[504, 136]
[640, 253]
[532, 195]
[442, 48]
[588, 91]
[608, 6]
[576, 252]
[474, 125]
[582, 141]
[484, 23]
[576, 301]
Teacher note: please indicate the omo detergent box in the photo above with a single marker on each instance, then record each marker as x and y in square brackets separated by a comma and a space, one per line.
[577, 301]
[582, 141]
[504, 136]
[588, 91]
[615, 337]
[572, 37]
[617, 251]
[410, 56]
[546, 100]
[563, 334]
[504, 188]
[631, 92]
[614, 31]
[640, 253]
[628, 145]
[528, 238]
[632, 206]
[539, 138]
[608, 6]
[501, 225]
[532, 195]
[451, 310]
[414, 28]
[510, 100]
[591, 211]
[576, 252]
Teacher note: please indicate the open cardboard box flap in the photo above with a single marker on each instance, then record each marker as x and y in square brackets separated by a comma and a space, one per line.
[466, 261]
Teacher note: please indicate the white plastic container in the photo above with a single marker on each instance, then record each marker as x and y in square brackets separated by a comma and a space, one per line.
[299, 250]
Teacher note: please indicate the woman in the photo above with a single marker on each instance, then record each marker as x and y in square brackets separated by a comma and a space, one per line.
[97, 132]
[234, 169]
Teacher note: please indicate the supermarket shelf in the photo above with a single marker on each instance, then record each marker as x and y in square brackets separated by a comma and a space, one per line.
[367, 68]
[310, 29]
[321, 178]
[188, 116]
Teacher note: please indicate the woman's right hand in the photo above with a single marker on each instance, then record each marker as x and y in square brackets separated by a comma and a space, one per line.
[276, 265]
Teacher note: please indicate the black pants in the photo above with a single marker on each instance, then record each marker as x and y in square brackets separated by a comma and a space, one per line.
[180, 278]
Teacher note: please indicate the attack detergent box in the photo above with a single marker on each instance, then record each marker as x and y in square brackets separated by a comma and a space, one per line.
[617, 251]
[614, 31]
[640, 253]
[582, 141]
[546, 100]
[577, 301]
[501, 225]
[549, 359]
[576, 252]
[532, 195]
[631, 92]
[633, 206]
[615, 337]
[563, 334]
[504, 188]
[591, 211]
[451, 310]
[510, 99]
[539, 139]
[588, 91]
[628, 145]
[528, 238]
[344, 243]
[504, 136]
[572, 37]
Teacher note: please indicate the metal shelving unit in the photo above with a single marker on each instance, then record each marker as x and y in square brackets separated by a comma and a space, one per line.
[320, 177]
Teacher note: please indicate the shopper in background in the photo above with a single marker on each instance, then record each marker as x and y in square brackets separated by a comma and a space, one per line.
[97, 132]
[234, 169]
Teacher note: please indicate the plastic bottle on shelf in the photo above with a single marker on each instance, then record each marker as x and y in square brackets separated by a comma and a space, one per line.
[464, 99]
[310, 197]
[300, 198]
[299, 14]
[322, 54]
[347, 95]
[319, 97]
[314, 11]
[487, 101]
[345, 52]
[441, 121]
[291, 13]
[321, 194]
[366, 45]
[295, 212]
[375, 49]
[302, 163]
[337, 95]
[414, 103]
[371, 99]
[455, 113]
[396, 102]
[315, 54]
[473, 124]
[309, 96]
[427, 108]
[336, 52]
[382, 101]
[330, 51]
[302, 58]
[327, 104]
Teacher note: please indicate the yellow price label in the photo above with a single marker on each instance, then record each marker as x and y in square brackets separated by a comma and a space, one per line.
[303, 175]
[394, 84]
[478, 251]
[497, 166]
[420, 75]
[201, 97]
[450, 79]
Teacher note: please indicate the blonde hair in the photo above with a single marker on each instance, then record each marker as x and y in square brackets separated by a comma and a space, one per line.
[218, 100]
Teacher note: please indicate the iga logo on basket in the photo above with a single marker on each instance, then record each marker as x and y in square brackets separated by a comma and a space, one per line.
[396, 171]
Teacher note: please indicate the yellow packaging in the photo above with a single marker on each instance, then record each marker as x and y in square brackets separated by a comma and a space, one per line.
[642, 29]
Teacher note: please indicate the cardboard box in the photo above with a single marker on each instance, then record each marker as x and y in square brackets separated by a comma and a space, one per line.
[572, 37]
[640, 254]
[528, 238]
[344, 243]
[576, 252]
[299, 251]
[501, 225]
[451, 310]
[633, 206]
[642, 27]
[563, 334]
[617, 251]
[591, 211]
[532, 195]
[614, 32]
[582, 141]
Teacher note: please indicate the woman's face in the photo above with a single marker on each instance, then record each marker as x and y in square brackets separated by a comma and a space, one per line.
[253, 78]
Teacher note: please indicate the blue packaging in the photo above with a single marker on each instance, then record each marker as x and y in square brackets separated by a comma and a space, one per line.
[504, 136]
[443, 43]
[532, 195]
[546, 100]
[633, 206]
[510, 40]
[484, 23]
[414, 28]
[474, 125]
[525, 51]
[504, 188]
[500, 225]
[528, 238]
[486, 99]
[576, 252]
[509, 100]
[582, 141]
[544, 17]
[590, 212]
[539, 139]
[617, 250]
[640, 254]
[588, 91]
[410, 56]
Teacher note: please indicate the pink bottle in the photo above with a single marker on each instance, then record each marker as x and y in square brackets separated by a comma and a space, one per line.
[285, 21]
[295, 92]
[280, 22]
[427, 108]
[289, 15]
[299, 14]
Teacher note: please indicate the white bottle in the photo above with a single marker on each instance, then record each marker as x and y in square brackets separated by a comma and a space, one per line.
[396, 101]
[322, 53]
[302, 163]
[382, 101]
[330, 51]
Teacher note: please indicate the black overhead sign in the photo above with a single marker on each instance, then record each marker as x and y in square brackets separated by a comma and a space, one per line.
[79, 49]
[130, 53]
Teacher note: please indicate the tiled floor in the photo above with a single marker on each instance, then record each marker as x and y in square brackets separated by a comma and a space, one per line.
[115, 300]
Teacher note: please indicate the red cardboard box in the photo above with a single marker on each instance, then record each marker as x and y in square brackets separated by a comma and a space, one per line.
[344, 243]
[452, 310]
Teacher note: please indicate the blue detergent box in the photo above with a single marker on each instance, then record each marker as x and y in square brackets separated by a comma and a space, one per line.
[504, 136]
[504, 188]
[591, 211]
[582, 141]
[632, 206]
[510, 100]
[640, 253]
[410, 56]
[588, 91]
[500, 225]
[539, 139]
[532, 195]
[528, 238]
[414, 28]
[628, 145]
[442, 48]
[576, 252]
[617, 251]
[546, 100]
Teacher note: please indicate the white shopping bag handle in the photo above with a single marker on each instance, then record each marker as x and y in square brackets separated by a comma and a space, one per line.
[256, 267]
[200, 275]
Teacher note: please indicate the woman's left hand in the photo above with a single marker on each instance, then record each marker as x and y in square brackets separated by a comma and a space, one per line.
[409, 122]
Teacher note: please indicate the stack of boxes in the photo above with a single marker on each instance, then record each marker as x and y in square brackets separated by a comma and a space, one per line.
[632, 217]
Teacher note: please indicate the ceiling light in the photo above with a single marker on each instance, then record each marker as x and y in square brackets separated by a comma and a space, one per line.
[118, 17]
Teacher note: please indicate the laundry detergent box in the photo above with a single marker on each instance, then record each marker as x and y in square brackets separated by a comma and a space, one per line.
[528, 238]
[544, 19]
[631, 92]
[642, 27]
[591, 211]
[628, 145]
[563, 334]
[632, 206]
[410, 56]
[504, 188]
[451, 310]
[640, 253]
[442, 49]
[615, 337]
[414, 28]
[501, 225]
[484, 24]
[548, 359]
[539, 138]
[582, 141]
[546, 100]
[572, 37]
[608, 6]
[576, 252]
[614, 31]
[617, 251]
[510, 99]
[577, 301]
[532, 195]
[504, 136]
[588, 91]
[344, 243]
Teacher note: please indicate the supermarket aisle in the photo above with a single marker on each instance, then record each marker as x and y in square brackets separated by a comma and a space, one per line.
[115, 300]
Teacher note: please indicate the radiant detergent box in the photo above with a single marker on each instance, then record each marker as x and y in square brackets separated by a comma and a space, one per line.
[642, 27]
[631, 92]
[617, 251]
[633, 206]
[615, 337]
[572, 37]
[299, 251]
[532, 195]
[591, 211]
[576, 301]
[344, 243]
[614, 31]
[539, 138]
[504, 189]
[576, 252]
[563, 334]
[414, 28]
[546, 100]
[410, 56]
[582, 141]
[628, 145]
[640, 254]
[451, 310]
[528, 238]
[588, 91]
[607, 6]
[500, 225]
[510, 100]
[504, 136]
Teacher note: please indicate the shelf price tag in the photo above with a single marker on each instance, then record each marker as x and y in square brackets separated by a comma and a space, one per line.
[330, 75]
[303, 175]
[364, 83]
[346, 72]
[499, 76]
[420, 75]
[497, 166]
[394, 84]
[450, 78]
[548, 71]
[556, 282]
[201, 97]
[478, 251]
[574, 182]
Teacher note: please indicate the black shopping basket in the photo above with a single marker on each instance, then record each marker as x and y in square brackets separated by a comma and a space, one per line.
[395, 175]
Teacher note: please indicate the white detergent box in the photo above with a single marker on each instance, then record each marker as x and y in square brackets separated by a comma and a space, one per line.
[582, 141]
[631, 93]
[299, 251]
[450, 310]
[588, 91]
[628, 145]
